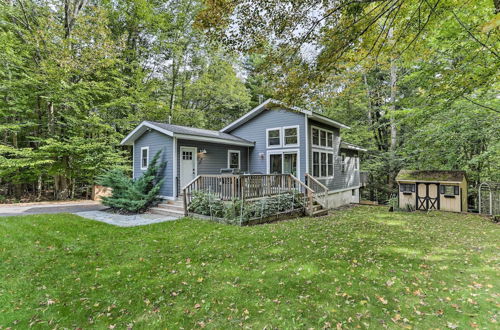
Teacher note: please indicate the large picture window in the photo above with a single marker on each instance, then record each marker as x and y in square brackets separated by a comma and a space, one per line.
[322, 164]
[322, 138]
[234, 159]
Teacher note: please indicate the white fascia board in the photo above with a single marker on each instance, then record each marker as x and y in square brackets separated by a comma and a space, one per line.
[248, 115]
[141, 128]
[353, 148]
[258, 109]
[213, 140]
[325, 120]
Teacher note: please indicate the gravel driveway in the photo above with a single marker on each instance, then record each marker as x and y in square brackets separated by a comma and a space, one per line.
[86, 209]
[56, 207]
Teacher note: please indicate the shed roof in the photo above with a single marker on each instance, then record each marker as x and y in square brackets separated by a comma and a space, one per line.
[429, 175]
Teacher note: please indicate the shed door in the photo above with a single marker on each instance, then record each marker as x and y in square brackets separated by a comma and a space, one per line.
[427, 196]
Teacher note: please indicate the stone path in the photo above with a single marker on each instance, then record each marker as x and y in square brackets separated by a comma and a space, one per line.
[123, 220]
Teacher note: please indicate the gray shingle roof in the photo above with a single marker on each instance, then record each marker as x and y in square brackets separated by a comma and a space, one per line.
[176, 129]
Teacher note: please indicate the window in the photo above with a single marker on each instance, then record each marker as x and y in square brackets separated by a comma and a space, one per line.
[315, 134]
[450, 191]
[274, 137]
[187, 155]
[330, 164]
[290, 164]
[322, 164]
[343, 161]
[322, 138]
[144, 158]
[233, 159]
[275, 163]
[330, 139]
[356, 163]
[291, 135]
[407, 188]
[316, 164]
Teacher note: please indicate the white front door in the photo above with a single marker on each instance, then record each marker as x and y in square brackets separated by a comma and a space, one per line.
[187, 165]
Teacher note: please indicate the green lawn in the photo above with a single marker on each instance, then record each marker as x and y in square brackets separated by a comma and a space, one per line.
[359, 267]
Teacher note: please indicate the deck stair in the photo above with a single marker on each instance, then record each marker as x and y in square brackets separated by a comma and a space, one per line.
[169, 208]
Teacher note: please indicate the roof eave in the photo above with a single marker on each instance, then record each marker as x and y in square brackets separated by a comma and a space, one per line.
[139, 130]
[327, 120]
[214, 140]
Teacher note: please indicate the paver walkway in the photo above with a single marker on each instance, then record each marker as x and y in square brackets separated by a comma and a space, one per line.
[123, 220]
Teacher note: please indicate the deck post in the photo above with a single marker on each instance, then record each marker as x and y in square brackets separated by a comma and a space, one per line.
[184, 197]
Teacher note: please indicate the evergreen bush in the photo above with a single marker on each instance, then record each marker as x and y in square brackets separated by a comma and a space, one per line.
[134, 196]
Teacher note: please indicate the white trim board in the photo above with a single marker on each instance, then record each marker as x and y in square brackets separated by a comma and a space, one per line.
[174, 166]
[269, 102]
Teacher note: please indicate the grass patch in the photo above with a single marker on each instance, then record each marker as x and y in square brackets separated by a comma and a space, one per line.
[358, 267]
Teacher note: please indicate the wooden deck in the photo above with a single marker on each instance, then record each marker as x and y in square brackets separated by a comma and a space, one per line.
[256, 186]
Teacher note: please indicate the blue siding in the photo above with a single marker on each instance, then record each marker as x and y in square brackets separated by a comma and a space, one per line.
[215, 158]
[341, 180]
[156, 141]
[255, 130]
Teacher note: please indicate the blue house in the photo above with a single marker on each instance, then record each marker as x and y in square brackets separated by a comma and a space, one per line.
[273, 138]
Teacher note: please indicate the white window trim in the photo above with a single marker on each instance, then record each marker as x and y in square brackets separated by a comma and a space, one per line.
[281, 137]
[229, 152]
[147, 158]
[297, 127]
[325, 151]
[319, 137]
[282, 152]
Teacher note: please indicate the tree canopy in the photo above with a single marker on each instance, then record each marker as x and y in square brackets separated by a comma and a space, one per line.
[417, 80]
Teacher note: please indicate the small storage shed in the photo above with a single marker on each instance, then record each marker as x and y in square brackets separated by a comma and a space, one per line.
[433, 190]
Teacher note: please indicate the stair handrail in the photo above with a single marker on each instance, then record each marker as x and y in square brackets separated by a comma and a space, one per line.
[323, 195]
[187, 188]
[309, 193]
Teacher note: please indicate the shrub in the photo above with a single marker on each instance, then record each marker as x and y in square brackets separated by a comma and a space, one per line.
[134, 196]
[206, 204]
[238, 211]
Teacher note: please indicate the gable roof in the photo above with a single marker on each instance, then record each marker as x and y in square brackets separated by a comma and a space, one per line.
[184, 132]
[350, 146]
[412, 175]
[270, 103]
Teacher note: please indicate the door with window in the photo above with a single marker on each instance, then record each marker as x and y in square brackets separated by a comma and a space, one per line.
[187, 165]
[283, 162]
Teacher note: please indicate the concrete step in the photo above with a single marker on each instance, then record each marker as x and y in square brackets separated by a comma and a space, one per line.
[167, 212]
